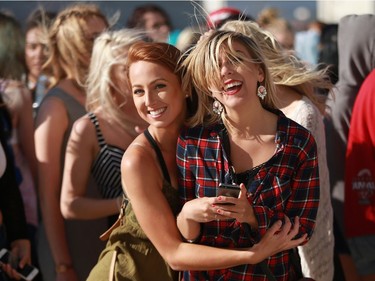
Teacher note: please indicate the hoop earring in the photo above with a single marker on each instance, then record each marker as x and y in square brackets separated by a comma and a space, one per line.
[261, 91]
[217, 107]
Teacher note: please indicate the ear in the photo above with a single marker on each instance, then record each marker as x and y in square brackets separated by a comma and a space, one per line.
[260, 73]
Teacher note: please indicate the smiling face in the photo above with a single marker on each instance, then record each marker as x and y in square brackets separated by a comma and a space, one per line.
[157, 94]
[34, 53]
[238, 77]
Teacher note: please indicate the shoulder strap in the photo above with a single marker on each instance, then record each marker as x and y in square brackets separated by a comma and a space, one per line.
[99, 134]
[159, 154]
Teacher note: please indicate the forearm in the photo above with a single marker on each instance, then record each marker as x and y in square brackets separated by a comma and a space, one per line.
[198, 257]
[189, 229]
[89, 208]
[55, 230]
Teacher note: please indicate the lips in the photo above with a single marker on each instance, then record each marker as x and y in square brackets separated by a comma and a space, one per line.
[156, 112]
[232, 87]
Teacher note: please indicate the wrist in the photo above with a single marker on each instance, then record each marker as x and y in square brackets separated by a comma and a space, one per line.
[63, 267]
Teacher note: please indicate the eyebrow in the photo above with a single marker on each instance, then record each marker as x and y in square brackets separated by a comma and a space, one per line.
[152, 82]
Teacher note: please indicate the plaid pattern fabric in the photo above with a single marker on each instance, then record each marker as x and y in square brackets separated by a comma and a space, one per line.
[288, 184]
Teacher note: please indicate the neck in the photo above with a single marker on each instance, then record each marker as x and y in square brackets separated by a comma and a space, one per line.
[247, 121]
[165, 137]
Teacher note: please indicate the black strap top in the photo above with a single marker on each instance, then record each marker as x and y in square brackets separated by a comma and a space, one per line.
[159, 154]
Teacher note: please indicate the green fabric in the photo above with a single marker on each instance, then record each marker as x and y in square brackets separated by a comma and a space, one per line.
[136, 257]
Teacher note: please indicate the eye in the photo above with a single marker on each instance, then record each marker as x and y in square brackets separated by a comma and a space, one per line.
[31, 46]
[159, 86]
[137, 92]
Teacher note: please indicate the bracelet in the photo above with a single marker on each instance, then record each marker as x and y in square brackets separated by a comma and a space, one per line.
[63, 267]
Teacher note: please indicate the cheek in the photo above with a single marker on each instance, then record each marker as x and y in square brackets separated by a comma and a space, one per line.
[216, 94]
[139, 104]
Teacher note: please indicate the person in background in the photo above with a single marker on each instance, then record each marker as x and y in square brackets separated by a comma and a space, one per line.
[296, 96]
[67, 249]
[270, 20]
[356, 61]
[17, 98]
[153, 20]
[100, 138]
[36, 31]
[360, 181]
[153, 246]
[13, 226]
[307, 43]
[220, 16]
[237, 136]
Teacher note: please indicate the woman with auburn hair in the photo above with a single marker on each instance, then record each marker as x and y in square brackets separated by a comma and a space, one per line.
[67, 249]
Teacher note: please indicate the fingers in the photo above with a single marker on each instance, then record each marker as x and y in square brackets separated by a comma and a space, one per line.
[295, 228]
[285, 230]
[243, 192]
[23, 261]
[275, 228]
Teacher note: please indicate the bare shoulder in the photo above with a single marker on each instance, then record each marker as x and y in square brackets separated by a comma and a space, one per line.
[84, 127]
[139, 165]
[139, 154]
[84, 130]
[52, 109]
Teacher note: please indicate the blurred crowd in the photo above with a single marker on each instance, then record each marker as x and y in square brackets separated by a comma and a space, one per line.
[64, 112]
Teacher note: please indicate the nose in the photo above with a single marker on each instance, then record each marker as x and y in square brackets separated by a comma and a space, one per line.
[149, 98]
[39, 51]
[226, 68]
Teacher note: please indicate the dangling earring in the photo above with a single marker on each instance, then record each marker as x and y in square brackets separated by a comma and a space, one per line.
[262, 91]
[217, 107]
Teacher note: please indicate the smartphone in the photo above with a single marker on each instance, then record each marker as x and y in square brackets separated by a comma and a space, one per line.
[229, 190]
[28, 272]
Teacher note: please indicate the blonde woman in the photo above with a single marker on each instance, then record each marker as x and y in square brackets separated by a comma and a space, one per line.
[67, 250]
[239, 137]
[100, 138]
[297, 98]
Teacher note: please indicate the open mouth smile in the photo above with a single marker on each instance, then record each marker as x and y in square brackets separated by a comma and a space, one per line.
[156, 112]
[232, 87]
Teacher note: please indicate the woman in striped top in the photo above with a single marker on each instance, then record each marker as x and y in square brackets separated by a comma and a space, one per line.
[100, 138]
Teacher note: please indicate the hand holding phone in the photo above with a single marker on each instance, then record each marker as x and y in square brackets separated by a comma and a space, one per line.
[28, 272]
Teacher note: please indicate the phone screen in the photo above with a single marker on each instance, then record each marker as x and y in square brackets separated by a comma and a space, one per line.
[6, 257]
[228, 190]
[28, 272]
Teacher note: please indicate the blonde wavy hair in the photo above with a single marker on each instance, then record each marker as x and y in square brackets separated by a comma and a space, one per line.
[284, 67]
[110, 49]
[68, 48]
[201, 68]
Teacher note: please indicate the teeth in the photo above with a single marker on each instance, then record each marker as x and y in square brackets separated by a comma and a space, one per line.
[232, 84]
[157, 112]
